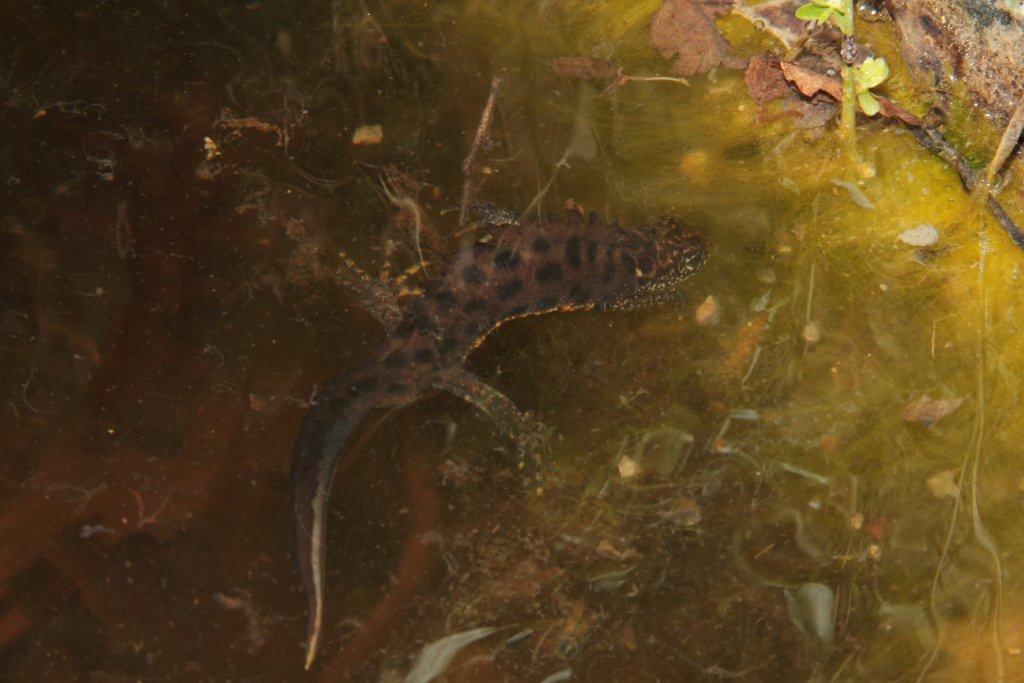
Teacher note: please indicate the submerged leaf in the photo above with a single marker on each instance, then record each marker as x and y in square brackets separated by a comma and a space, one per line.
[870, 73]
[923, 235]
[811, 608]
[928, 410]
[868, 103]
[584, 68]
[813, 13]
[435, 657]
[685, 30]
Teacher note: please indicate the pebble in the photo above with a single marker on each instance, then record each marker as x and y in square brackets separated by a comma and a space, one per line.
[923, 235]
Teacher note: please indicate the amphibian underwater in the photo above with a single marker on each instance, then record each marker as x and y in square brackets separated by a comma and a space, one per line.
[525, 267]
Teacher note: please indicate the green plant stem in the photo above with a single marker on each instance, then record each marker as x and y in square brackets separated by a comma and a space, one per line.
[848, 111]
[848, 107]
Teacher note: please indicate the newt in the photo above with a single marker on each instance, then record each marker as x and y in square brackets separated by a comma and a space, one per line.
[517, 268]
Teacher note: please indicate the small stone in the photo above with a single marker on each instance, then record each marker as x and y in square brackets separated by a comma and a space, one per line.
[695, 165]
[812, 333]
[684, 512]
[923, 235]
[628, 467]
[856, 521]
[709, 312]
[368, 135]
[942, 484]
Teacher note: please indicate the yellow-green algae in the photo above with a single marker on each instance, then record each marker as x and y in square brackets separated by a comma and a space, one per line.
[936, 584]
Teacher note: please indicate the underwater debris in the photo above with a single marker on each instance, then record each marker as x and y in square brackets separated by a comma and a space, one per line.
[685, 32]
[584, 68]
[810, 83]
[628, 467]
[811, 333]
[855, 193]
[435, 657]
[684, 512]
[923, 235]
[709, 312]
[942, 484]
[368, 135]
[928, 410]
[812, 608]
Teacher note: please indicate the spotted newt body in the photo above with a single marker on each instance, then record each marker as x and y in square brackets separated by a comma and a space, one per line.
[528, 267]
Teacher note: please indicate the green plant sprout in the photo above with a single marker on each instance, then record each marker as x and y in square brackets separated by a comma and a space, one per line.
[867, 75]
[857, 79]
[820, 11]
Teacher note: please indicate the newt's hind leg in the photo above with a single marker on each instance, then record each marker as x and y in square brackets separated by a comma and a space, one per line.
[523, 428]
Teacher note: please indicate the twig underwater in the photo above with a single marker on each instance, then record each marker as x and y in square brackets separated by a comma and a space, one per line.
[469, 163]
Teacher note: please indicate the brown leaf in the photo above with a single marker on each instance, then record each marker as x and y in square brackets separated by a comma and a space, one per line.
[777, 17]
[584, 68]
[928, 410]
[810, 83]
[685, 30]
[764, 78]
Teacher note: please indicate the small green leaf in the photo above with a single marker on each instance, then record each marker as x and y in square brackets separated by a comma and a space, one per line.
[845, 22]
[868, 103]
[869, 74]
[811, 12]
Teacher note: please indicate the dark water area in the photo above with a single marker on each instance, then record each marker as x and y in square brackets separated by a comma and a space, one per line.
[734, 492]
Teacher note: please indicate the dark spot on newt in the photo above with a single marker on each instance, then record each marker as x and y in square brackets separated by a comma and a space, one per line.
[547, 302]
[628, 265]
[364, 385]
[448, 344]
[506, 258]
[481, 248]
[395, 359]
[445, 298]
[645, 264]
[422, 356]
[609, 273]
[549, 272]
[475, 305]
[509, 289]
[592, 248]
[541, 244]
[472, 275]
[572, 252]
[578, 293]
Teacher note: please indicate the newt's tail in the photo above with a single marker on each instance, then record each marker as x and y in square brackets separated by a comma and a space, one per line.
[336, 412]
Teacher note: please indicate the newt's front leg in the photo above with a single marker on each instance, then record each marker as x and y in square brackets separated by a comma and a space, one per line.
[525, 430]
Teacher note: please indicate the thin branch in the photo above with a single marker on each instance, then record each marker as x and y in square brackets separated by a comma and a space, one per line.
[1007, 143]
[470, 161]
[934, 141]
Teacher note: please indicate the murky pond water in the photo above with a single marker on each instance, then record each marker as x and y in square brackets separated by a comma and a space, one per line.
[809, 467]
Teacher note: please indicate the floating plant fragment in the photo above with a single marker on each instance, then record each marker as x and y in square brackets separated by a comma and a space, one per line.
[685, 31]
[709, 312]
[811, 606]
[368, 135]
[942, 484]
[435, 657]
[923, 235]
[928, 410]
[584, 68]
[856, 193]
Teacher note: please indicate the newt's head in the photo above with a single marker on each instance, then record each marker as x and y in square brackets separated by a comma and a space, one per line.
[679, 252]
